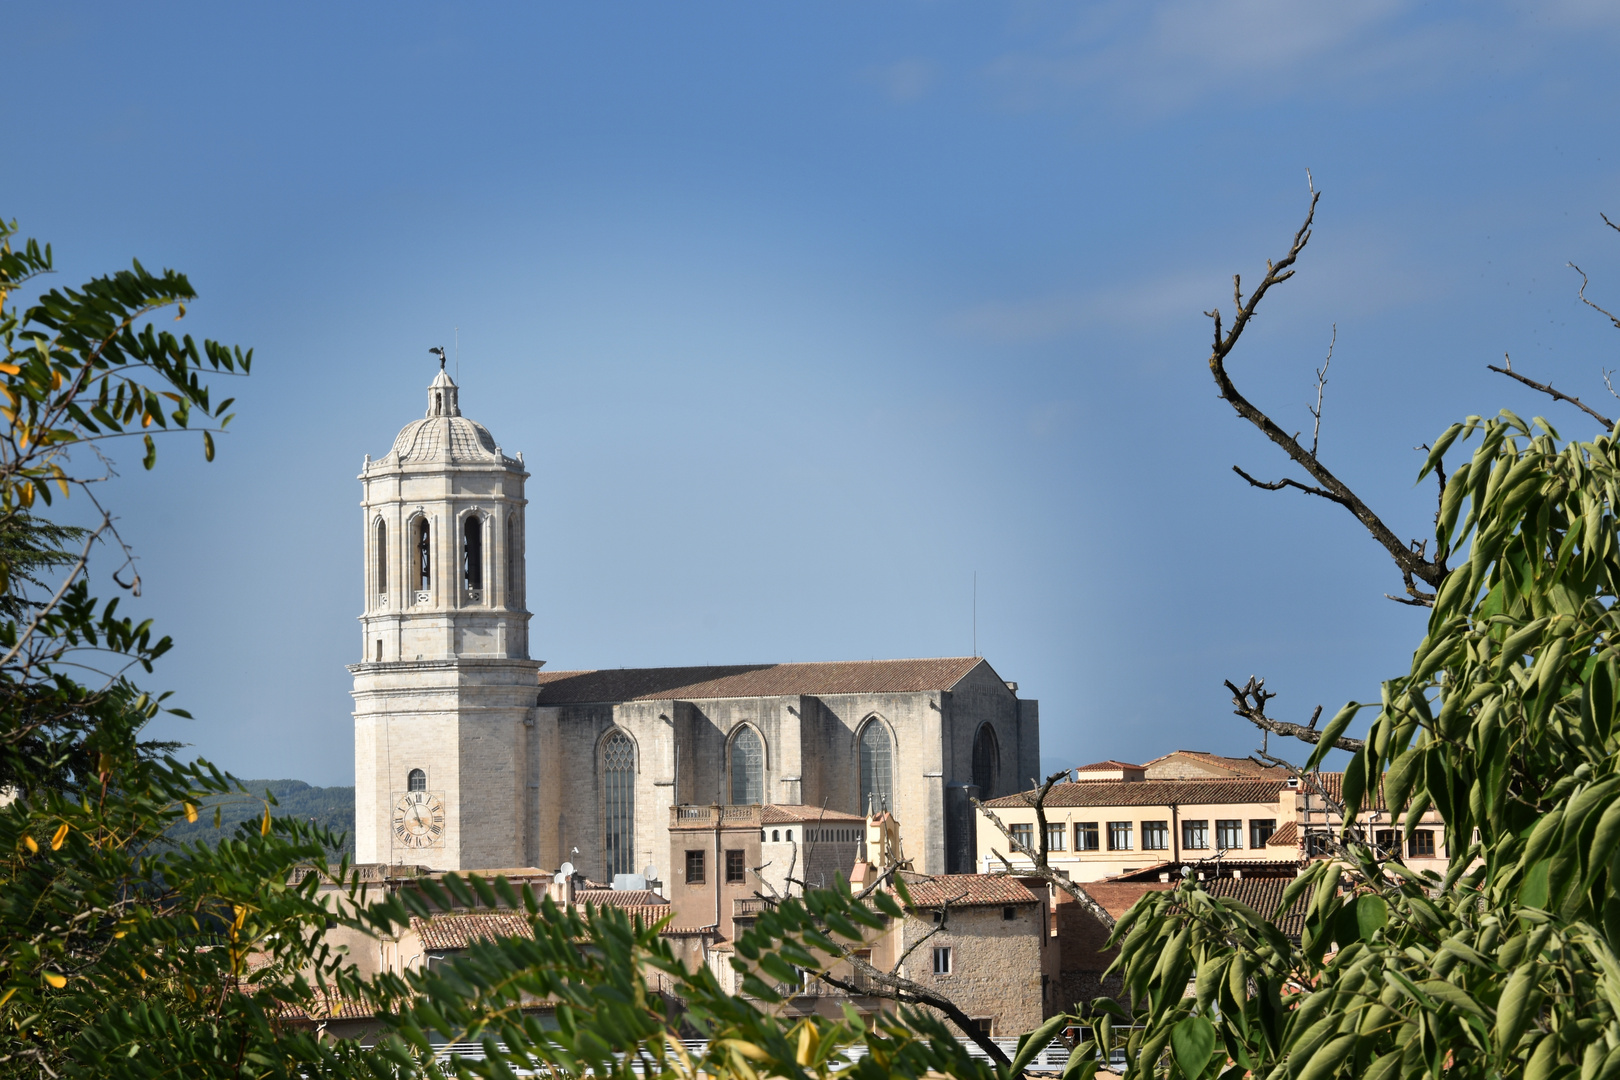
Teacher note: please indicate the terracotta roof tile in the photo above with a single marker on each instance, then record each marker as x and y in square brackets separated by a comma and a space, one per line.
[1106, 766]
[1263, 894]
[1287, 835]
[1152, 793]
[328, 1007]
[772, 814]
[1238, 765]
[461, 929]
[619, 897]
[754, 680]
[647, 913]
[969, 890]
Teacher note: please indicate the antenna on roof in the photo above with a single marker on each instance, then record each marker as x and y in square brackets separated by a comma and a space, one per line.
[975, 613]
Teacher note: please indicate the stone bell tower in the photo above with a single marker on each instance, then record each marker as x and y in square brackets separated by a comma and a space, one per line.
[445, 690]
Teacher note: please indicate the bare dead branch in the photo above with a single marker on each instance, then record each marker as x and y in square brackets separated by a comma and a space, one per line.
[1408, 560]
[880, 983]
[1321, 384]
[944, 921]
[1285, 482]
[1250, 701]
[1040, 868]
[1601, 311]
[1547, 388]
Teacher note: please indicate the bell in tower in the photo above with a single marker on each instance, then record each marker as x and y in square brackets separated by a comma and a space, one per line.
[445, 688]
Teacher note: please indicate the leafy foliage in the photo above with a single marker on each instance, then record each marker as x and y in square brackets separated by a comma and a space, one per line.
[1507, 724]
[328, 808]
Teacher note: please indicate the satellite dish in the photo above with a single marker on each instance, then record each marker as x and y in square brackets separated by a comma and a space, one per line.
[650, 872]
[559, 879]
[565, 869]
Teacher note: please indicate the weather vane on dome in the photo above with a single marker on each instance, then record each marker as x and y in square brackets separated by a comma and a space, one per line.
[438, 350]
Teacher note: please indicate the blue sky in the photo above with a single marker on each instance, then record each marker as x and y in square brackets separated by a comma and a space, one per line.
[803, 315]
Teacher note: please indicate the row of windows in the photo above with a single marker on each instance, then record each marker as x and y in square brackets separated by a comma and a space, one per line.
[420, 574]
[697, 864]
[1195, 834]
[1419, 843]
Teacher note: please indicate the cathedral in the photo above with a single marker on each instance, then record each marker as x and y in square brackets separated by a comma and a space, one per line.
[471, 756]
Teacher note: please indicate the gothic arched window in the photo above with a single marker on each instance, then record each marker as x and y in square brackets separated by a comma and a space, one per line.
[382, 556]
[619, 803]
[986, 762]
[747, 768]
[421, 541]
[877, 769]
[416, 780]
[472, 552]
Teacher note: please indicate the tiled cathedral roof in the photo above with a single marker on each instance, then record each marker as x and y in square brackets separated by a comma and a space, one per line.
[1152, 793]
[754, 680]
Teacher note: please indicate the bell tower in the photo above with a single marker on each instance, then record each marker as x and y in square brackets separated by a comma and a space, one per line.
[444, 692]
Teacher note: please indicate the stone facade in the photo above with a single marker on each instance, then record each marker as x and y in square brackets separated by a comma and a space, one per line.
[468, 756]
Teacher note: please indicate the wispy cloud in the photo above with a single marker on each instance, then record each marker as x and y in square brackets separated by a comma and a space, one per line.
[1162, 57]
[904, 80]
[1351, 278]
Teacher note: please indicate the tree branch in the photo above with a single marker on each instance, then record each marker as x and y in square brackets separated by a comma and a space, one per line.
[1546, 388]
[1406, 558]
[1250, 701]
[1321, 384]
[1040, 868]
[899, 988]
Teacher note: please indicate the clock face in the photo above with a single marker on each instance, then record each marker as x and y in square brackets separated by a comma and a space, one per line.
[419, 819]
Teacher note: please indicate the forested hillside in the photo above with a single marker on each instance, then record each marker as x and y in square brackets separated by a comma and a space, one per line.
[330, 807]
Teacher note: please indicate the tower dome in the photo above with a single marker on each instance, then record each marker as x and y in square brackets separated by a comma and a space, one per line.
[444, 435]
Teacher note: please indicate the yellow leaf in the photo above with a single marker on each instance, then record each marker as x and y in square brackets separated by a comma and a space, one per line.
[191, 813]
[146, 419]
[56, 380]
[241, 916]
[55, 980]
[10, 369]
[5, 997]
[59, 837]
[264, 826]
[33, 845]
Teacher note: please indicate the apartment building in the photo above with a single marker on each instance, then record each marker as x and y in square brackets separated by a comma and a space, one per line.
[1113, 819]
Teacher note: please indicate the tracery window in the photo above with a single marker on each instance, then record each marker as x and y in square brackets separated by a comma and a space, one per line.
[416, 780]
[986, 762]
[472, 552]
[747, 768]
[877, 769]
[619, 803]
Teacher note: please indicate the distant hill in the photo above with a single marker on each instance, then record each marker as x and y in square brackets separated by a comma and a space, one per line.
[332, 807]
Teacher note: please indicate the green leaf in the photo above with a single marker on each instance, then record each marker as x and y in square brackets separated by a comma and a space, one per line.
[1192, 1042]
[1036, 1041]
[1372, 915]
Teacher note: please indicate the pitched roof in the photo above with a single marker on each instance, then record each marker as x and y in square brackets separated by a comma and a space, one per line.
[1287, 835]
[647, 913]
[624, 898]
[754, 680]
[1240, 766]
[968, 890]
[459, 930]
[1263, 894]
[1108, 766]
[772, 813]
[1151, 793]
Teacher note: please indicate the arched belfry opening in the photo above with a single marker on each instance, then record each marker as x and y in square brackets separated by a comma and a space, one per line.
[380, 543]
[422, 549]
[472, 553]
